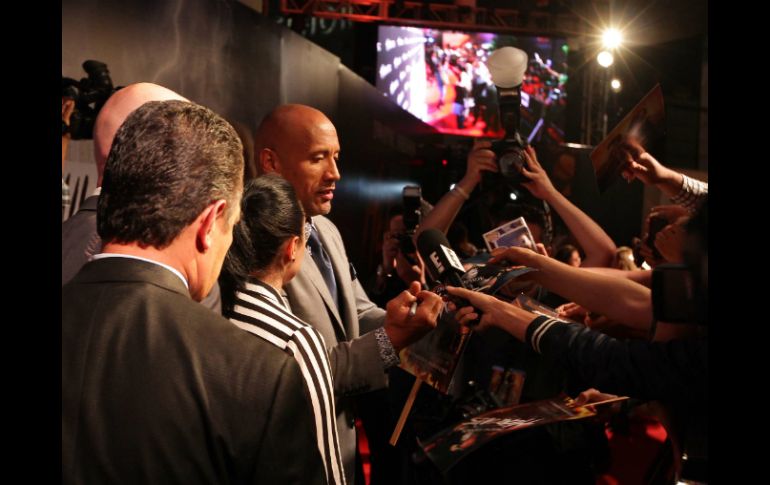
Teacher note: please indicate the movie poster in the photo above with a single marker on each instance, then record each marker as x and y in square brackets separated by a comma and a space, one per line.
[451, 445]
[643, 125]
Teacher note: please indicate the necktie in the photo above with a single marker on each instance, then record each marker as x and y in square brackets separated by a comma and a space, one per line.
[323, 262]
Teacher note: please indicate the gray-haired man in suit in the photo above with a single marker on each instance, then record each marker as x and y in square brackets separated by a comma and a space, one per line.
[300, 143]
[155, 387]
[79, 240]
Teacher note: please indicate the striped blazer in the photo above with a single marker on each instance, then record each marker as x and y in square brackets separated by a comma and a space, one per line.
[262, 311]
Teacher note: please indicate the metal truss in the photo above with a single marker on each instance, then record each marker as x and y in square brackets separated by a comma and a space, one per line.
[439, 16]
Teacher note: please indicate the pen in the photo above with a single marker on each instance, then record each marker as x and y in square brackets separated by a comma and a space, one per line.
[413, 309]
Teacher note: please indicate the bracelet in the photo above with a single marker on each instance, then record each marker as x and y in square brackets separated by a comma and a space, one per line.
[461, 192]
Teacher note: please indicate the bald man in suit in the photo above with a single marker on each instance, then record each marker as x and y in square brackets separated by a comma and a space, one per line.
[300, 143]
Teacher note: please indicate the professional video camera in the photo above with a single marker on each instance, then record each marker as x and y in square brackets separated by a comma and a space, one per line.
[507, 66]
[89, 94]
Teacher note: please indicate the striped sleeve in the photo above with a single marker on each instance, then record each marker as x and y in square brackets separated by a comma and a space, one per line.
[261, 316]
[691, 194]
[537, 329]
[548, 335]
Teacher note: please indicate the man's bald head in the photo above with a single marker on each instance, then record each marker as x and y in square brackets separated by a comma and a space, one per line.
[300, 143]
[285, 124]
[116, 110]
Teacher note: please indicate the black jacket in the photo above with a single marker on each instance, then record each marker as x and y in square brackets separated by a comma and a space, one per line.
[674, 371]
[158, 389]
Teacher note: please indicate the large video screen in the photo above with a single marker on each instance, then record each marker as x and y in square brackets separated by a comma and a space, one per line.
[441, 77]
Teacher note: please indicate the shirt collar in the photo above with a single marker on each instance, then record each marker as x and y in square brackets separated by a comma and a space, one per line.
[130, 256]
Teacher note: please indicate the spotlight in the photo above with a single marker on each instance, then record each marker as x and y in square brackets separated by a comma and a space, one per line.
[615, 85]
[605, 58]
[611, 38]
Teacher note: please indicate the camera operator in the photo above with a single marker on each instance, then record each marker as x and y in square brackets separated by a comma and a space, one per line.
[674, 372]
[598, 247]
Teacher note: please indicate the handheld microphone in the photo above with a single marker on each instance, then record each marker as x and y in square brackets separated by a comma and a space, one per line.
[443, 264]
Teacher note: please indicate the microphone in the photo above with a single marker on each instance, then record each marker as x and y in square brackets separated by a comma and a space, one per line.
[443, 264]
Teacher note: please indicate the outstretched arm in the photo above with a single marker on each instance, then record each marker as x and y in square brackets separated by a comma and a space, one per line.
[617, 298]
[641, 276]
[646, 370]
[680, 188]
[480, 158]
[598, 246]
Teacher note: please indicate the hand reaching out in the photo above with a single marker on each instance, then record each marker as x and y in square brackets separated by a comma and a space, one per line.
[540, 185]
[670, 241]
[572, 310]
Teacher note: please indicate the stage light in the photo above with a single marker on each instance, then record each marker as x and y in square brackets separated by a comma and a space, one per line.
[605, 58]
[611, 39]
[615, 85]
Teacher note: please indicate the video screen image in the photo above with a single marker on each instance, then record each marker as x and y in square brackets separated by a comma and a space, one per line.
[441, 77]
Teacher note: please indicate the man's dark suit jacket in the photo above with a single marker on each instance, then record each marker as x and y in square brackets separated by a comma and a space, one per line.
[158, 389]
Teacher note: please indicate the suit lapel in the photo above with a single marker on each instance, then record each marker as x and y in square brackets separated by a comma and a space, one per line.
[315, 277]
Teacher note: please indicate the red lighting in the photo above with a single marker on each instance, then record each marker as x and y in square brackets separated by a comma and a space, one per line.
[444, 162]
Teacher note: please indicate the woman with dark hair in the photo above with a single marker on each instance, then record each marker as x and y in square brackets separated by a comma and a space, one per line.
[569, 254]
[267, 251]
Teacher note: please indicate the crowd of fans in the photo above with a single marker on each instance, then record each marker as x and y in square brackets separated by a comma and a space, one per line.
[264, 381]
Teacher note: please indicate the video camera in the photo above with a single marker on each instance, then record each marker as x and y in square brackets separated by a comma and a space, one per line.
[507, 66]
[89, 95]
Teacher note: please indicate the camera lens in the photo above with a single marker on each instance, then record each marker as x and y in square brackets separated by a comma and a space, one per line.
[511, 163]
